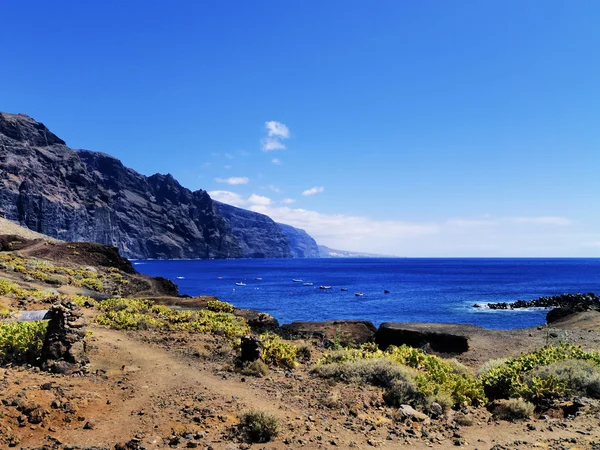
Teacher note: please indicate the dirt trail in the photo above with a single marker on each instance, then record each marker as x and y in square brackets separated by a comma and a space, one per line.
[159, 383]
[153, 377]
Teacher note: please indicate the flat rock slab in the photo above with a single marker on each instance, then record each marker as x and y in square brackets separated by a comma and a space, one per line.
[347, 331]
[441, 338]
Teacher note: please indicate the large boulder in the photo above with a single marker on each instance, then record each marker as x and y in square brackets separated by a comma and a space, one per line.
[344, 332]
[440, 338]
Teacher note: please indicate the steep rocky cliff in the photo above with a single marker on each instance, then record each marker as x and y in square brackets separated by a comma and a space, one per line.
[259, 236]
[88, 196]
[301, 244]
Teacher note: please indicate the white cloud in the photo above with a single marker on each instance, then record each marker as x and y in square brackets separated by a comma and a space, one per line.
[206, 164]
[479, 236]
[235, 199]
[259, 200]
[470, 222]
[348, 232]
[227, 167]
[233, 180]
[231, 198]
[276, 133]
[229, 156]
[270, 144]
[276, 161]
[273, 188]
[548, 220]
[313, 191]
[277, 129]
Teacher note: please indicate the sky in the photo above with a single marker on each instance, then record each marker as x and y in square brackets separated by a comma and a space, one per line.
[408, 128]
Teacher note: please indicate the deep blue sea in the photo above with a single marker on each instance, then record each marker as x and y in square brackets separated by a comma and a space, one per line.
[423, 290]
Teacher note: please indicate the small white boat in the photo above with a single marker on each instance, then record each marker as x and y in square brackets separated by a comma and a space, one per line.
[359, 294]
[344, 289]
[308, 284]
[258, 279]
[297, 281]
[240, 284]
[324, 287]
[180, 278]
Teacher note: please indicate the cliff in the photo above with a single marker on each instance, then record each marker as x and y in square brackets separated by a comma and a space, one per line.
[79, 195]
[259, 236]
[302, 245]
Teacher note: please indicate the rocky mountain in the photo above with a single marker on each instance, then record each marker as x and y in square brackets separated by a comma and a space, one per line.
[79, 195]
[258, 235]
[301, 243]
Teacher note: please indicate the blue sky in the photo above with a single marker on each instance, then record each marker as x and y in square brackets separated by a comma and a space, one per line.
[424, 128]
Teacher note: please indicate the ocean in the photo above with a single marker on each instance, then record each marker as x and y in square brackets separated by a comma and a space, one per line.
[421, 290]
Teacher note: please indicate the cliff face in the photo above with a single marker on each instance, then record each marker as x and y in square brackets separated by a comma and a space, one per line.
[87, 196]
[301, 244]
[259, 236]
[79, 195]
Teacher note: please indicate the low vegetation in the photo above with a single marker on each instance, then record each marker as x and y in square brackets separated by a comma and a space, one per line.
[550, 373]
[132, 314]
[21, 342]
[258, 426]
[46, 271]
[408, 375]
[514, 409]
[219, 306]
[278, 353]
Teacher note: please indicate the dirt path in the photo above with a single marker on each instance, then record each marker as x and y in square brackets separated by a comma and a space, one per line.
[151, 391]
[152, 379]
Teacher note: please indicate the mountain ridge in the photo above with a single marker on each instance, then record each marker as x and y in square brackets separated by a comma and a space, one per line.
[82, 195]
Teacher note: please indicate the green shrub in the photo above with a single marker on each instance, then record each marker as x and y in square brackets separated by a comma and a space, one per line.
[255, 368]
[219, 306]
[378, 372]
[514, 378]
[130, 314]
[125, 320]
[21, 341]
[578, 377]
[435, 376]
[491, 364]
[92, 283]
[514, 409]
[403, 391]
[258, 426]
[8, 288]
[277, 352]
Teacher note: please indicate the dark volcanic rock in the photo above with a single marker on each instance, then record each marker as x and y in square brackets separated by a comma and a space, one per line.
[88, 196]
[347, 332]
[257, 235]
[301, 244]
[441, 338]
[560, 301]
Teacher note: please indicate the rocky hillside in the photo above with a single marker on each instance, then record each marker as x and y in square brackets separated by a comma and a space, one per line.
[259, 236]
[88, 196]
[13, 229]
[301, 243]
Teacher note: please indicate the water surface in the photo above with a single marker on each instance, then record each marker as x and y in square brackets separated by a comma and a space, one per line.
[424, 290]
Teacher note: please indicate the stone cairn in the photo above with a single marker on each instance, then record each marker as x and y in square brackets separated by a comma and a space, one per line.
[64, 349]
